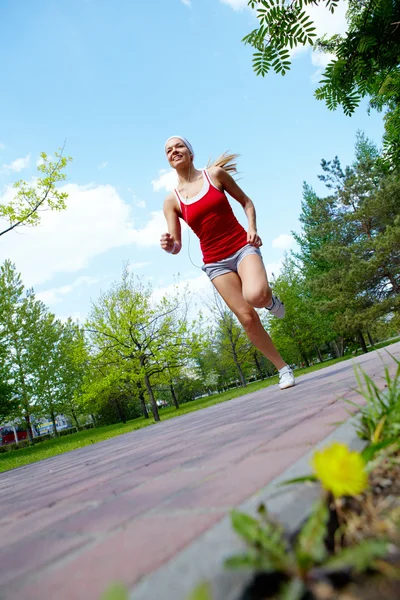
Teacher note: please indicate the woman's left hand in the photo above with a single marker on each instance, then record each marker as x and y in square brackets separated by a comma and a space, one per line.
[253, 238]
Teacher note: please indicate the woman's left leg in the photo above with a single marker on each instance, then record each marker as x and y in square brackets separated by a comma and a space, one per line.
[229, 288]
[257, 292]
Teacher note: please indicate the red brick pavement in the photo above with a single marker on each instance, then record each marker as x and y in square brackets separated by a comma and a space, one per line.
[119, 509]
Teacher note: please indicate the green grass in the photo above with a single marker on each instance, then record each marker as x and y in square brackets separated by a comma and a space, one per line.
[386, 343]
[18, 458]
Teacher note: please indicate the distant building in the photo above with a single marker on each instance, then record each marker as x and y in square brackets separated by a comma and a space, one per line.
[45, 424]
[14, 432]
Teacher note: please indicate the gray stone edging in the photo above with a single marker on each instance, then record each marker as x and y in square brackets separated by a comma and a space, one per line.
[203, 559]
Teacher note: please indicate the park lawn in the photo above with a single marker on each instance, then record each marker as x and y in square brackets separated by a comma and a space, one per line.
[18, 458]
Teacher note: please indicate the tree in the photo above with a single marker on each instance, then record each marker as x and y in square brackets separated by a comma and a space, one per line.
[58, 348]
[21, 313]
[45, 350]
[75, 364]
[366, 59]
[349, 243]
[304, 330]
[150, 339]
[8, 401]
[30, 200]
[368, 209]
[109, 392]
[207, 363]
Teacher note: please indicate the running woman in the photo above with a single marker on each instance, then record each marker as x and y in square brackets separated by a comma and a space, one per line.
[232, 256]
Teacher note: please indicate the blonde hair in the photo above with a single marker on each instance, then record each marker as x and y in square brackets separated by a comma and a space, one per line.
[225, 161]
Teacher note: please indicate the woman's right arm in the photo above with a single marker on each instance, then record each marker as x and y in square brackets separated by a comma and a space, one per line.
[171, 242]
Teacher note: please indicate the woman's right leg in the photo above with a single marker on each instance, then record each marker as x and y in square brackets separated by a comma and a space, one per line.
[229, 286]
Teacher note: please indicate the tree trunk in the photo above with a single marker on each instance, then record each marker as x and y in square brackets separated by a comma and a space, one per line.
[370, 338]
[76, 420]
[142, 400]
[93, 419]
[335, 349]
[174, 398]
[154, 407]
[298, 342]
[53, 420]
[239, 368]
[362, 342]
[29, 427]
[319, 354]
[143, 403]
[120, 410]
[258, 366]
[303, 356]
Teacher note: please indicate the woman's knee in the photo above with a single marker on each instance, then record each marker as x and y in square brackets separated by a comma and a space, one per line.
[259, 298]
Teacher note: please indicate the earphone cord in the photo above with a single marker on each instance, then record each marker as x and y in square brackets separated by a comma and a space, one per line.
[188, 230]
[190, 258]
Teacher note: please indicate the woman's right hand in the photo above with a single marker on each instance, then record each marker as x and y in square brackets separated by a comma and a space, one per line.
[167, 242]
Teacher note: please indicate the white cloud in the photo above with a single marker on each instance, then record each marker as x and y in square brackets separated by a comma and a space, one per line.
[283, 241]
[54, 295]
[2, 146]
[198, 287]
[320, 60]
[151, 232]
[138, 265]
[194, 284]
[102, 165]
[236, 4]
[328, 24]
[167, 180]
[325, 23]
[95, 221]
[186, 2]
[18, 164]
[138, 202]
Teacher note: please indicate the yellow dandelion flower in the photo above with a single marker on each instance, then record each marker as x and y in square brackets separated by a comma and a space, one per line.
[340, 470]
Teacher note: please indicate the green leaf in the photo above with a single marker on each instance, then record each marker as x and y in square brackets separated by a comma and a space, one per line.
[294, 590]
[264, 537]
[310, 547]
[359, 558]
[247, 527]
[116, 591]
[254, 561]
[370, 451]
[305, 479]
[202, 592]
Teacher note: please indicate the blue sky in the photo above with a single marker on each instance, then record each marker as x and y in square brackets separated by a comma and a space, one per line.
[115, 79]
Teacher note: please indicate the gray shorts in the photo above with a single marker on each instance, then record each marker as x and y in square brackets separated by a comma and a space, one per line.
[229, 264]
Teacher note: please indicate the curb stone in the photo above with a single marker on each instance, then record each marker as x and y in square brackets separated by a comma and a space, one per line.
[202, 561]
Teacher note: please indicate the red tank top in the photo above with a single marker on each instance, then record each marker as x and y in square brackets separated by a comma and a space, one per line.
[211, 217]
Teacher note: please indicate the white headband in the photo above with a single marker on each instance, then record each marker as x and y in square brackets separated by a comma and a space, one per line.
[184, 140]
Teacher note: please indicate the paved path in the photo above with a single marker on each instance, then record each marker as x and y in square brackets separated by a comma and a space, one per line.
[120, 509]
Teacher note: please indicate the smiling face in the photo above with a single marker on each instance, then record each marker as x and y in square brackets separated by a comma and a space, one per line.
[178, 154]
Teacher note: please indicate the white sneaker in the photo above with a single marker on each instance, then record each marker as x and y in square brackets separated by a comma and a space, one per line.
[277, 308]
[286, 378]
